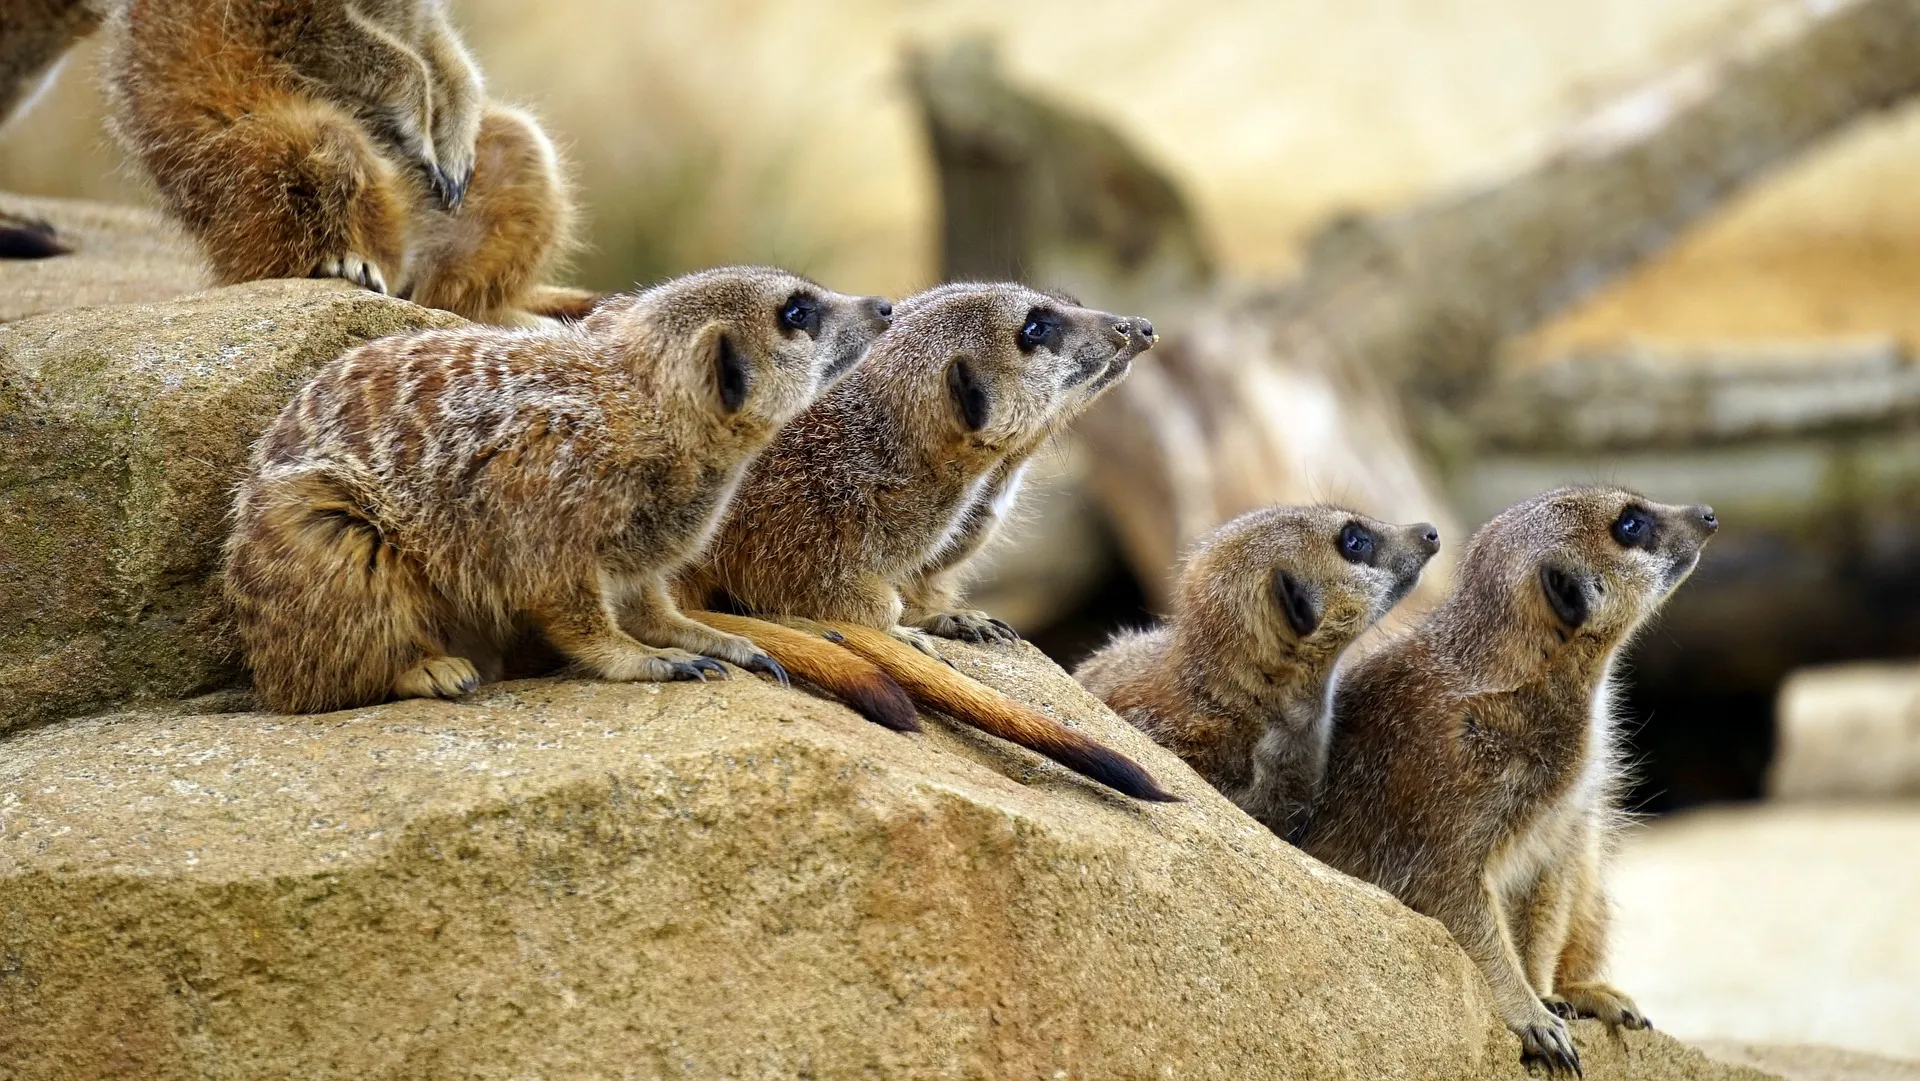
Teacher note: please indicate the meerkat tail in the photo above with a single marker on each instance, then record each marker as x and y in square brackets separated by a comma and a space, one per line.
[847, 676]
[26, 238]
[938, 686]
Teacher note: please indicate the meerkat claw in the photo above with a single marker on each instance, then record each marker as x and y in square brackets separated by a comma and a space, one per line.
[764, 664]
[1007, 633]
[449, 186]
[1550, 1046]
[1560, 1007]
[355, 269]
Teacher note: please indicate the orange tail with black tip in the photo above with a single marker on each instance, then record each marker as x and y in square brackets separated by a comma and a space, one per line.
[938, 686]
[845, 675]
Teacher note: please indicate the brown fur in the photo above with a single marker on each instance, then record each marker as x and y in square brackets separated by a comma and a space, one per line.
[1234, 684]
[429, 496]
[820, 659]
[1472, 770]
[341, 138]
[874, 484]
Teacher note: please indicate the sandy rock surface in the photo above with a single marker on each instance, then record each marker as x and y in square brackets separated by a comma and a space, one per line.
[730, 880]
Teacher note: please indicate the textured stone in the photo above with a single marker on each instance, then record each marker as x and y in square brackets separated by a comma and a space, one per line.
[122, 432]
[1848, 732]
[691, 881]
[120, 255]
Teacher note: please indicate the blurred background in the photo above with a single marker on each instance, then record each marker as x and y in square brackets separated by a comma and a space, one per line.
[1424, 257]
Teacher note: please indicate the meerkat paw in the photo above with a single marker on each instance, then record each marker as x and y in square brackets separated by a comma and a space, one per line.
[437, 677]
[1544, 1041]
[970, 625]
[920, 640]
[354, 268]
[1601, 1000]
[742, 651]
[449, 178]
[660, 666]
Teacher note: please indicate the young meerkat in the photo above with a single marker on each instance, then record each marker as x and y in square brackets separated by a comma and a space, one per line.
[875, 483]
[428, 497]
[1236, 681]
[1473, 770]
[342, 138]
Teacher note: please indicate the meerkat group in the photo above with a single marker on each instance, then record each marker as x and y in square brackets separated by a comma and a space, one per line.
[1469, 766]
[743, 466]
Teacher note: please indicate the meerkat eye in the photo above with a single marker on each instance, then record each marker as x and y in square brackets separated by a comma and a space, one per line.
[1356, 544]
[1634, 528]
[1041, 329]
[801, 313]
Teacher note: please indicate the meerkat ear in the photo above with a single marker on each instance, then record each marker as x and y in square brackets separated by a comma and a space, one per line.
[1566, 593]
[1293, 599]
[969, 397]
[732, 374]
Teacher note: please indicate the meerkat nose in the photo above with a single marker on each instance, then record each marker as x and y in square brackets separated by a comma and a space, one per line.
[1429, 537]
[1139, 332]
[883, 307]
[1707, 518]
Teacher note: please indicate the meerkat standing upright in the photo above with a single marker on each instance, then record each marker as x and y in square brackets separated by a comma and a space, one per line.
[874, 483]
[427, 495]
[1236, 682]
[1473, 771]
[341, 138]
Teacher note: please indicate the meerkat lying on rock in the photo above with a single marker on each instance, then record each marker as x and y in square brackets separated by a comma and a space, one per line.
[1236, 681]
[341, 138]
[873, 488]
[428, 496]
[1473, 770]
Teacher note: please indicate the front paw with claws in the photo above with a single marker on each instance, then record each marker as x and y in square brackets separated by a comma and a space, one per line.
[920, 640]
[449, 183]
[970, 625]
[354, 268]
[1596, 999]
[1545, 1042]
[766, 665]
[699, 668]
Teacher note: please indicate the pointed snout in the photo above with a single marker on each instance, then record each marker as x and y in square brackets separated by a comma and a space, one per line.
[1426, 537]
[1138, 334]
[879, 311]
[1709, 522]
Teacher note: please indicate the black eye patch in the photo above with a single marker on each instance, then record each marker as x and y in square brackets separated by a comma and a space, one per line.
[1357, 545]
[1042, 328]
[1634, 528]
[802, 313]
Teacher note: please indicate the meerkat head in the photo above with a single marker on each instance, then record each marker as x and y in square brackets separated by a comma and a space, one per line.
[1585, 564]
[1301, 583]
[752, 346]
[1011, 364]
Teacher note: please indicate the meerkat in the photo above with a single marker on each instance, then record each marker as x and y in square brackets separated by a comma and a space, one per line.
[874, 482]
[1473, 770]
[429, 496]
[342, 138]
[1236, 682]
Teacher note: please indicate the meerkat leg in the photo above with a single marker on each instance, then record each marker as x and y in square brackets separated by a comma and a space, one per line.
[459, 99]
[1474, 916]
[1540, 930]
[647, 612]
[367, 62]
[329, 614]
[283, 186]
[483, 261]
[581, 624]
[1579, 990]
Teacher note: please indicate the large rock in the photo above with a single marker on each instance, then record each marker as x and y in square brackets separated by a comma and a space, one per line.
[117, 255]
[1848, 731]
[122, 432]
[578, 879]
